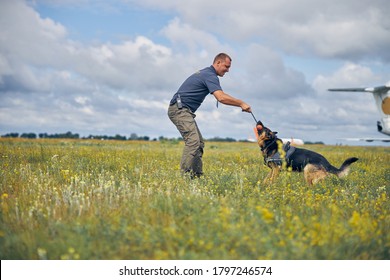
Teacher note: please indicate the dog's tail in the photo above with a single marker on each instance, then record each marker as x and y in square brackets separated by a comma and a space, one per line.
[344, 168]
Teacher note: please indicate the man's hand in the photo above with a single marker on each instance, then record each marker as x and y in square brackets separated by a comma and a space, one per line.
[246, 108]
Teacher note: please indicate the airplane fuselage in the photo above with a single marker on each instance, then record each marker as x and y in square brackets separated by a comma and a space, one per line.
[383, 103]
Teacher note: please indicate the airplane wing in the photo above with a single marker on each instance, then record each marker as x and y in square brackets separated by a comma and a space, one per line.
[367, 139]
[380, 89]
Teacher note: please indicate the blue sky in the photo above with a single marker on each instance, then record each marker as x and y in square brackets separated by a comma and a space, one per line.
[113, 23]
[111, 67]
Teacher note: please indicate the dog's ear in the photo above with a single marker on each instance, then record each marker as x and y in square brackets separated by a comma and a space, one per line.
[275, 132]
[268, 132]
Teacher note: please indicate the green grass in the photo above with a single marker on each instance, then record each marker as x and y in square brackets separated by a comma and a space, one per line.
[89, 199]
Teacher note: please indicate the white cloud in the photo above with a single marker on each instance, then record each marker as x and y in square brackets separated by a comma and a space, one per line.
[328, 28]
[196, 41]
[28, 37]
[349, 75]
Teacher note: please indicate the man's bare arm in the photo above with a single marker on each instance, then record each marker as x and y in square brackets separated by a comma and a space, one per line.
[226, 99]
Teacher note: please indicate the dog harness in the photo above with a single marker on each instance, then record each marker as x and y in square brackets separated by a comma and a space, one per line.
[276, 158]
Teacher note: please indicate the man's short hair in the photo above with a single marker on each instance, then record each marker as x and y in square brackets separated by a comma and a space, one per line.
[221, 56]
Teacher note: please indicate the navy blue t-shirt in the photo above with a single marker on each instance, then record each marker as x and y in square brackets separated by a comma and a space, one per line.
[195, 89]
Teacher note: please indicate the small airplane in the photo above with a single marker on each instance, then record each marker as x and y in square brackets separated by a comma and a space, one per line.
[382, 97]
[293, 141]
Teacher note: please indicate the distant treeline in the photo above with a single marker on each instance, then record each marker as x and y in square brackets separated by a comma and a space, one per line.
[70, 135]
[133, 136]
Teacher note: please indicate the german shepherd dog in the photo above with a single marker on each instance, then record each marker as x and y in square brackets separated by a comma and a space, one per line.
[276, 155]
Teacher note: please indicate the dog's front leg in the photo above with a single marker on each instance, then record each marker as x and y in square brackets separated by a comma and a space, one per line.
[267, 180]
[273, 174]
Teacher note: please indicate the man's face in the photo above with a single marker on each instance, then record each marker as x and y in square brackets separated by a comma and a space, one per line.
[222, 66]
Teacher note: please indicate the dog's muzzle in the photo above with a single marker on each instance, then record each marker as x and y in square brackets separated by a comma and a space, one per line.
[259, 127]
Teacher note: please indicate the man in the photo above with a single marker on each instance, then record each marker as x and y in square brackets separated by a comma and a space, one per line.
[187, 100]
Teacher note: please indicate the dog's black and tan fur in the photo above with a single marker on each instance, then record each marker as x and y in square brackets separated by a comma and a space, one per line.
[314, 166]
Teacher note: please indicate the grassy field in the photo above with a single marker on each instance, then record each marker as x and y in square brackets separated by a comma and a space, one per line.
[89, 199]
